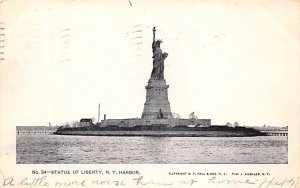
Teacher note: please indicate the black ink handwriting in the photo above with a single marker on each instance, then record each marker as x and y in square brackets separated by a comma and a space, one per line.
[139, 181]
[214, 180]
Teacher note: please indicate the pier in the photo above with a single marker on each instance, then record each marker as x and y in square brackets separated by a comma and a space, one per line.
[35, 132]
[276, 133]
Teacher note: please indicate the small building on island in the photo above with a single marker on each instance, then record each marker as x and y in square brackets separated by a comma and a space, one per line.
[84, 122]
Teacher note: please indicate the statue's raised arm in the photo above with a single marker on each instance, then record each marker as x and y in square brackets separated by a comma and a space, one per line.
[153, 34]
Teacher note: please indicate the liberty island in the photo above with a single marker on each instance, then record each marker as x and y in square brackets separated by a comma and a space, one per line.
[157, 118]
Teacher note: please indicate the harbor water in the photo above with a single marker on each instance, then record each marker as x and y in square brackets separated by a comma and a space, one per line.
[63, 149]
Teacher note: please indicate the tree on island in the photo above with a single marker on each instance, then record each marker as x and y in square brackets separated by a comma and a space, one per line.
[175, 115]
[236, 124]
[67, 125]
[193, 116]
[75, 123]
[228, 124]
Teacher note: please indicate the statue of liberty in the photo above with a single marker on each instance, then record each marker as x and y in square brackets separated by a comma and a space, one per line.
[158, 59]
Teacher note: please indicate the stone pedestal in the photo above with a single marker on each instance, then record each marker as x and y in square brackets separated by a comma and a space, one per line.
[157, 105]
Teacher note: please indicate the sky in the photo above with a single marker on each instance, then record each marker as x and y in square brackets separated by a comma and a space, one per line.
[229, 61]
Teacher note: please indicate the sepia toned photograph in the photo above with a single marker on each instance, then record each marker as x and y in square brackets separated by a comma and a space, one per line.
[131, 93]
[163, 55]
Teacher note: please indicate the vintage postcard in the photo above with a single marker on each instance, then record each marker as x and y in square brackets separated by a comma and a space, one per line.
[145, 93]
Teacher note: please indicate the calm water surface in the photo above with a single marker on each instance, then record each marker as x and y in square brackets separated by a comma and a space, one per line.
[157, 150]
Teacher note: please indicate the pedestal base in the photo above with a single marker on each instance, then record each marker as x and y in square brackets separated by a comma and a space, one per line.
[157, 105]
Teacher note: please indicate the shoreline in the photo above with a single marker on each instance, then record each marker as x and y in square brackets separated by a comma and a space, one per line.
[215, 131]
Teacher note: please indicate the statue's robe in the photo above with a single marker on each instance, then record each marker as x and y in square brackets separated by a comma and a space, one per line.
[158, 64]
